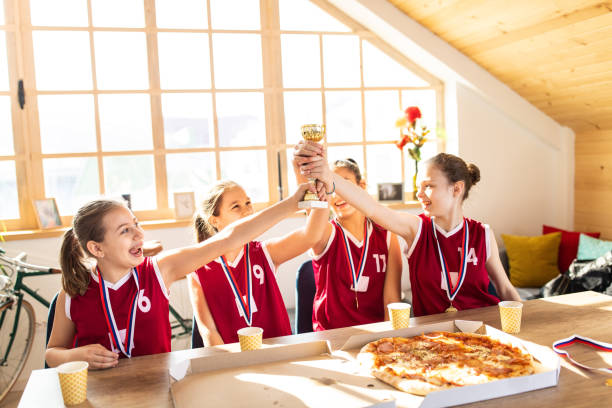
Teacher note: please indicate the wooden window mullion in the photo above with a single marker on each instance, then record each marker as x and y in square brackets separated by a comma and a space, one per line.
[157, 126]
[273, 98]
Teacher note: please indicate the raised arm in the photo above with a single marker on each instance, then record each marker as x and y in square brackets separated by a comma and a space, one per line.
[497, 274]
[403, 224]
[175, 264]
[299, 241]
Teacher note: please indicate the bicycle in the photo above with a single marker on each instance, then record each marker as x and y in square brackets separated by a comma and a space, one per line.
[16, 339]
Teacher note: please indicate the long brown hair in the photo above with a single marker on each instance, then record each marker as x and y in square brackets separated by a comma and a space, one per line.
[209, 207]
[456, 169]
[86, 226]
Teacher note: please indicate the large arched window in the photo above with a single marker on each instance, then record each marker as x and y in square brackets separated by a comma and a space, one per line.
[153, 97]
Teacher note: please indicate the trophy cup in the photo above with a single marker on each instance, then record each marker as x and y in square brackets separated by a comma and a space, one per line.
[313, 133]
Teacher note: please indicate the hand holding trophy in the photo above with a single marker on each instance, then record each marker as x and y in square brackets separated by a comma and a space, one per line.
[314, 133]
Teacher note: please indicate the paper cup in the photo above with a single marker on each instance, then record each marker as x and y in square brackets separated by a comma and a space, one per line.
[510, 314]
[399, 315]
[250, 338]
[73, 381]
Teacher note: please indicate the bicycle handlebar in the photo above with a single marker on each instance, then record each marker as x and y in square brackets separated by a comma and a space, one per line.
[30, 267]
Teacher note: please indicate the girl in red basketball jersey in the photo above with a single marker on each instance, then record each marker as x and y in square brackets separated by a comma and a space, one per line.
[451, 258]
[357, 263]
[239, 288]
[118, 305]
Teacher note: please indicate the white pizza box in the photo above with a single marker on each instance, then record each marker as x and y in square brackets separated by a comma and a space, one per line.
[309, 374]
[296, 375]
[546, 373]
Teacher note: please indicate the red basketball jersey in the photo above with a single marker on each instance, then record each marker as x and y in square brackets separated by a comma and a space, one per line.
[429, 294]
[334, 302]
[269, 310]
[152, 327]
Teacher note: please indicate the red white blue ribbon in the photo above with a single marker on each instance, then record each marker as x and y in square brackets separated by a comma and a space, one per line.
[356, 273]
[126, 348]
[560, 344]
[247, 313]
[451, 291]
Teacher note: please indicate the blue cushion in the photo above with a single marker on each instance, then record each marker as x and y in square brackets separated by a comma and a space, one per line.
[592, 248]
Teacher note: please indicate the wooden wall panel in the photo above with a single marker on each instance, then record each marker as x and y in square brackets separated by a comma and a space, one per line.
[594, 182]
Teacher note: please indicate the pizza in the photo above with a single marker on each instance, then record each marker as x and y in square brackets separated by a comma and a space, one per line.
[440, 360]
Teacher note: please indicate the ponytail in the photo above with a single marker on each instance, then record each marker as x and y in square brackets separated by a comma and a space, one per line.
[75, 273]
[203, 229]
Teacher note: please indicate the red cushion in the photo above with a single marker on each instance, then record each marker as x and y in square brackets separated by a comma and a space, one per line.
[569, 244]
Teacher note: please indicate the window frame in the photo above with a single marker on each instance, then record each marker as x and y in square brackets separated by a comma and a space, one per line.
[26, 129]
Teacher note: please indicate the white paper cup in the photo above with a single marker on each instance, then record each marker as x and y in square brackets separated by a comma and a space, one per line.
[73, 381]
[510, 314]
[399, 315]
[250, 338]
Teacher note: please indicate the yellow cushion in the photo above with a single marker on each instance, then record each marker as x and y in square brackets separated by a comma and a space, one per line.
[533, 260]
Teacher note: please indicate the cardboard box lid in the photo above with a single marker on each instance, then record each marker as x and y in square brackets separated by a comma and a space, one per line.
[304, 374]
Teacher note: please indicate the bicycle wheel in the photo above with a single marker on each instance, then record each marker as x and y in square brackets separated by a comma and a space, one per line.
[20, 349]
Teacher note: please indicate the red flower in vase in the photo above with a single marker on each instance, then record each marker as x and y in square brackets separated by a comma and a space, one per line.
[412, 114]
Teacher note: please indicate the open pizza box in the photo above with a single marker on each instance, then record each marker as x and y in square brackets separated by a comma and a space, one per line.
[310, 374]
[548, 365]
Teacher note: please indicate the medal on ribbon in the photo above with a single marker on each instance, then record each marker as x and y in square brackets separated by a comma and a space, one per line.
[126, 348]
[356, 273]
[245, 304]
[558, 345]
[451, 291]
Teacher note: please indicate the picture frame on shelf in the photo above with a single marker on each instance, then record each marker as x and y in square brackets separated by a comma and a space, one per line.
[184, 205]
[47, 214]
[390, 192]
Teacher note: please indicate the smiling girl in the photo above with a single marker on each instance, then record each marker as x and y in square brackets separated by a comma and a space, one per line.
[114, 301]
[451, 258]
[239, 289]
[356, 262]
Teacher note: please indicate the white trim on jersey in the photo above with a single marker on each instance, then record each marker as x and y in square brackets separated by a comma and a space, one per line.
[416, 238]
[487, 229]
[160, 279]
[113, 286]
[269, 258]
[195, 277]
[316, 257]
[236, 260]
[451, 232]
[388, 240]
[67, 302]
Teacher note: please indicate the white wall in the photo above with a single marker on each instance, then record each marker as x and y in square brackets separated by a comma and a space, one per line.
[520, 187]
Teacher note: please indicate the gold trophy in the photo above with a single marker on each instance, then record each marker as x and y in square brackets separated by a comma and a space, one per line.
[314, 133]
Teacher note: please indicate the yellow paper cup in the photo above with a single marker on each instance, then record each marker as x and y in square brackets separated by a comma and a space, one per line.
[250, 338]
[73, 381]
[510, 313]
[399, 314]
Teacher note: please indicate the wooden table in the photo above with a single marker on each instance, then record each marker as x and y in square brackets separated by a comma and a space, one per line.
[144, 381]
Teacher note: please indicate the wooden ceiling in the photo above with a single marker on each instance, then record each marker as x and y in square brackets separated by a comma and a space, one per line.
[557, 54]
